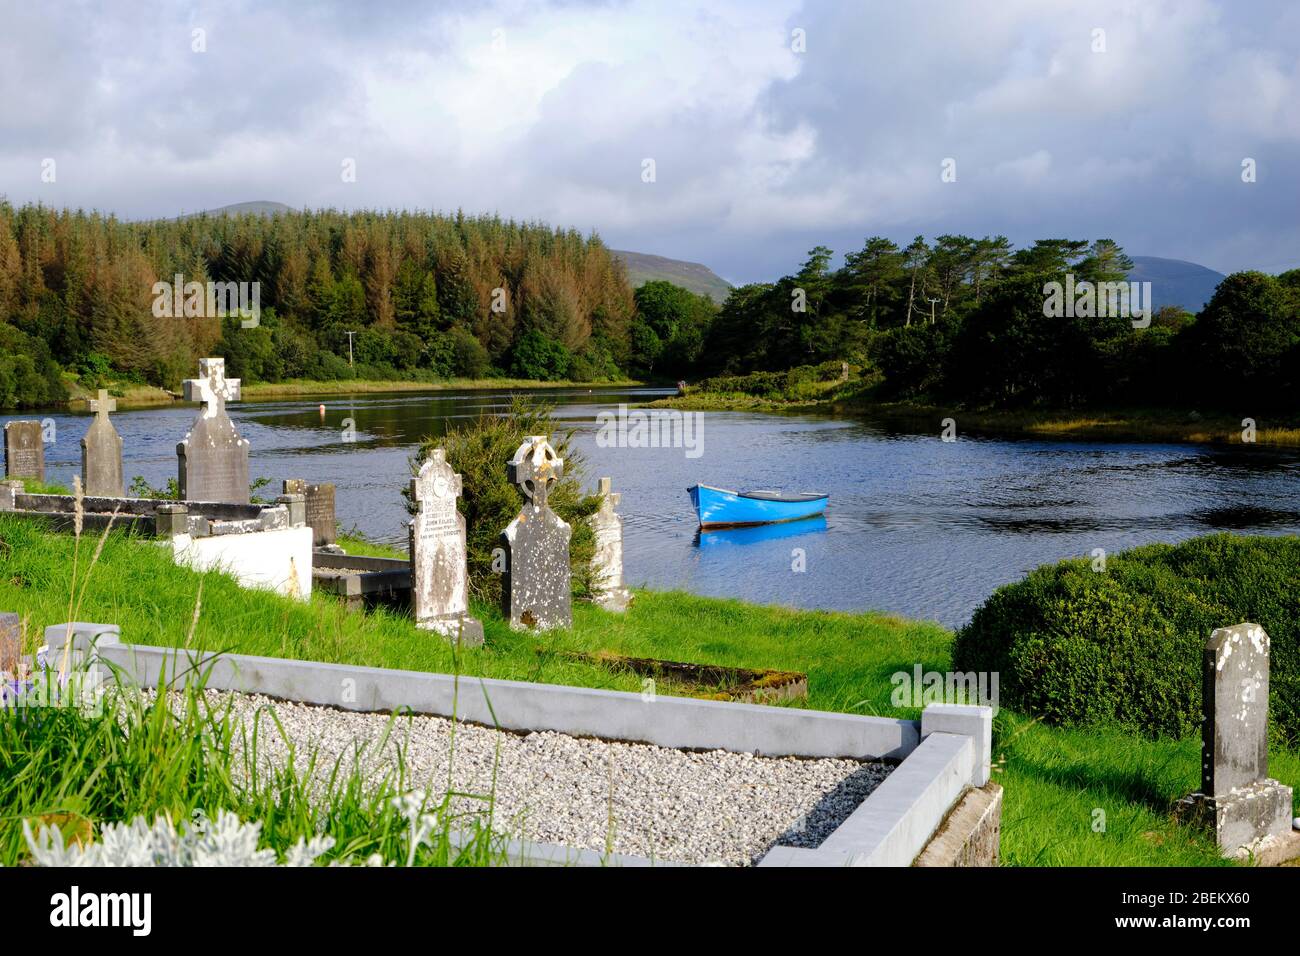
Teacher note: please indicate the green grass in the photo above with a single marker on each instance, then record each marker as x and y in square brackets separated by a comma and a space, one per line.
[1055, 779]
[353, 542]
[299, 387]
[34, 487]
[73, 770]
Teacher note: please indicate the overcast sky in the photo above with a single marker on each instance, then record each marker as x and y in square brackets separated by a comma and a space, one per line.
[548, 111]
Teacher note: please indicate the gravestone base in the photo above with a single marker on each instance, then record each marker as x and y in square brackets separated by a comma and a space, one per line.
[972, 833]
[617, 600]
[1243, 817]
[460, 629]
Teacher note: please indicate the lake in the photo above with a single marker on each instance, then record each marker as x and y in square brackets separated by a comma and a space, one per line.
[917, 526]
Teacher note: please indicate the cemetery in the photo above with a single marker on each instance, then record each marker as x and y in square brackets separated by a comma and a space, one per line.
[588, 725]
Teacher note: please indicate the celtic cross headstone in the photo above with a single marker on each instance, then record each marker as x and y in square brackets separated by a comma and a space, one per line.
[536, 592]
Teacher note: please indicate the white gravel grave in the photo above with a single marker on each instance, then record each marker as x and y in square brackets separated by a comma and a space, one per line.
[713, 807]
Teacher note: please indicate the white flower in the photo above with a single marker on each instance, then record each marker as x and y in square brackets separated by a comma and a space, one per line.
[226, 841]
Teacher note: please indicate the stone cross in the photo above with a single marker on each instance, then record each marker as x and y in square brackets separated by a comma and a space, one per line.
[212, 387]
[24, 450]
[536, 591]
[607, 561]
[101, 452]
[212, 461]
[102, 404]
[439, 576]
[1238, 801]
[535, 468]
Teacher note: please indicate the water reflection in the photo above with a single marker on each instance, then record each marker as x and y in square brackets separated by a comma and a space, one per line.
[731, 537]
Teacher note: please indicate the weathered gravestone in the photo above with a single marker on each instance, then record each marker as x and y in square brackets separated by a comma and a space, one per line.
[11, 643]
[321, 514]
[320, 509]
[607, 562]
[24, 450]
[1238, 801]
[536, 591]
[439, 577]
[213, 460]
[101, 452]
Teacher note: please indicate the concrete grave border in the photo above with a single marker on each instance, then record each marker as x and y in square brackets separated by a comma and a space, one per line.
[943, 756]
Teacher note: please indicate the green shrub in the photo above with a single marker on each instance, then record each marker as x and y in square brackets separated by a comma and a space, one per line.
[796, 383]
[1122, 647]
[478, 451]
[470, 358]
[29, 376]
[538, 357]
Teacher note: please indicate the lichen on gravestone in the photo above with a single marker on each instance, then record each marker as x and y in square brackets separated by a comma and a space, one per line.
[437, 542]
[537, 590]
[1238, 802]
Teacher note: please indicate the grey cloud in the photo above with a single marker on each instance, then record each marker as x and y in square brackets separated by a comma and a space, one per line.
[761, 153]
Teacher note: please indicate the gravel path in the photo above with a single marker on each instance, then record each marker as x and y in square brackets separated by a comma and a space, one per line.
[716, 807]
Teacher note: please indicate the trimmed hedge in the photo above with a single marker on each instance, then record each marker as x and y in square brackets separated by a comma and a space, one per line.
[1080, 647]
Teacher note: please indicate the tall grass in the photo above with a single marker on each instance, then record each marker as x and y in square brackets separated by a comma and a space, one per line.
[146, 755]
[1055, 779]
[71, 765]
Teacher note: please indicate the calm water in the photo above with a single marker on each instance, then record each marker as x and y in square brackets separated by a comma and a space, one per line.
[916, 526]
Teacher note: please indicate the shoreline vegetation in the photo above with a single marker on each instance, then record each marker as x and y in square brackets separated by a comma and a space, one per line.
[857, 399]
[847, 399]
[1052, 775]
[145, 396]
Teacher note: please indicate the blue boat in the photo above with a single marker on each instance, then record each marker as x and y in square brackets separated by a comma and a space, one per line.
[720, 508]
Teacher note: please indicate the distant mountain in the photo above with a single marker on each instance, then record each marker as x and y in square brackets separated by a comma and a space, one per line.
[643, 268]
[1175, 282]
[260, 208]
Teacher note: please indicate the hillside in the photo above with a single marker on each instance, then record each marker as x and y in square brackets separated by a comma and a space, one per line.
[1175, 281]
[643, 267]
[260, 208]
[341, 296]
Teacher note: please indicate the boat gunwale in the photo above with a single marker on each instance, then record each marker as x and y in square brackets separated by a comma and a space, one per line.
[804, 497]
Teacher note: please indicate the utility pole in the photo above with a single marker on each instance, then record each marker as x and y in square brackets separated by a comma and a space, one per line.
[349, 335]
[932, 302]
